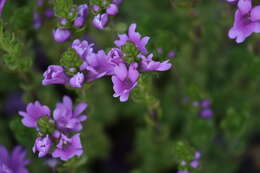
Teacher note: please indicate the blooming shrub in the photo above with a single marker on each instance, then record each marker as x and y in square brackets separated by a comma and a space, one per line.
[129, 86]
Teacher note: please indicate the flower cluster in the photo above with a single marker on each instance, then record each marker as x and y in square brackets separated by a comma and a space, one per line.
[41, 13]
[56, 130]
[247, 20]
[124, 64]
[205, 109]
[13, 162]
[99, 21]
[195, 163]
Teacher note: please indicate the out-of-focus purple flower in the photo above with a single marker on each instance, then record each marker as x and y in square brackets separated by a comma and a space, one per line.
[171, 54]
[40, 3]
[159, 50]
[205, 103]
[124, 80]
[115, 56]
[14, 162]
[14, 103]
[61, 35]
[68, 147]
[197, 155]
[117, 2]
[206, 113]
[112, 10]
[77, 80]
[42, 145]
[68, 119]
[100, 21]
[34, 111]
[83, 48]
[133, 37]
[55, 75]
[63, 21]
[2, 4]
[97, 65]
[49, 13]
[96, 8]
[195, 164]
[52, 163]
[148, 64]
[244, 26]
[82, 14]
[37, 20]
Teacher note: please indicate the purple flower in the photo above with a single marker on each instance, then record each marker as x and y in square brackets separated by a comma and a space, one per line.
[77, 80]
[83, 48]
[244, 6]
[2, 4]
[42, 145]
[82, 13]
[96, 8]
[67, 118]
[63, 21]
[37, 20]
[245, 24]
[55, 75]
[49, 13]
[133, 37]
[13, 162]
[115, 56]
[195, 164]
[197, 155]
[100, 21]
[147, 64]
[159, 50]
[112, 10]
[205, 103]
[34, 111]
[206, 113]
[171, 54]
[255, 14]
[97, 66]
[124, 80]
[68, 147]
[61, 35]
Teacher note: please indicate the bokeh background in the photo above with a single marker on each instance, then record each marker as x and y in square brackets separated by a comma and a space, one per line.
[118, 137]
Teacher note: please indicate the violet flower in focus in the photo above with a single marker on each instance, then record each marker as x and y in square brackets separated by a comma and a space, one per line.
[97, 65]
[133, 37]
[61, 35]
[77, 80]
[55, 75]
[68, 147]
[34, 111]
[68, 119]
[42, 145]
[112, 10]
[100, 21]
[82, 14]
[83, 48]
[14, 162]
[147, 64]
[124, 80]
[246, 22]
